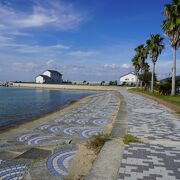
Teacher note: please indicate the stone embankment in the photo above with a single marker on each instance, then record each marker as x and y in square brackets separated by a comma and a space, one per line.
[6, 84]
[67, 87]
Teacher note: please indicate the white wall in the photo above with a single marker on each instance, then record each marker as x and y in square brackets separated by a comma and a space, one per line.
[47, 73]
[129, 78]
[39, 79]
[56, 77]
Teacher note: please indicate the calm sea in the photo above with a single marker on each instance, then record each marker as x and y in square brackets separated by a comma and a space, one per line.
[20, 104]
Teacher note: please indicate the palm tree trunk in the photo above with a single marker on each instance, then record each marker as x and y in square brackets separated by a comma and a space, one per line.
[152, 78]
[173, 91]
[137, 83]
[141, 83]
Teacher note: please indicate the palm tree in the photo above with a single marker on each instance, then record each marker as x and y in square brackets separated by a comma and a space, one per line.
[135, 63]
[145, 68]
[154, 48]
[141, 53]
[171, 27]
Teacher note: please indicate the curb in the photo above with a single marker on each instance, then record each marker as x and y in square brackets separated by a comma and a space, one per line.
[121, 123]
[107, 164]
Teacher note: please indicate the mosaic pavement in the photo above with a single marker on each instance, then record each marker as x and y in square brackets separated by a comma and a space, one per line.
[157, 161]
[15, 171]
[80, 123]
[59, 162]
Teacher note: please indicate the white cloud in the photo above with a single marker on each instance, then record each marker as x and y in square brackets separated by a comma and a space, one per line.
[83, 53]
[111, 66]
[126, 66]
[25, 48]
[117, 66]
[35, 20]
[50, 62]
[61, 46]
[164, 68]
[24, 66]
[70, 70]
[30, 66]
[4, 39]
[52, 14]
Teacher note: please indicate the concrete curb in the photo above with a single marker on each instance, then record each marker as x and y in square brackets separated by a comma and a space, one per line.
[107, 164]
[121, 123]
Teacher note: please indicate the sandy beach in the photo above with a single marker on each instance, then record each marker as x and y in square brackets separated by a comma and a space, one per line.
[41, 144]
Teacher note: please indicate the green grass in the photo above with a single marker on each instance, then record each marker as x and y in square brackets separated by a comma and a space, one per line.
[128, 138]
[172, 99]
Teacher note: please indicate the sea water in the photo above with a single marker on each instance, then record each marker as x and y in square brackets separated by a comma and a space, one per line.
[21, 104]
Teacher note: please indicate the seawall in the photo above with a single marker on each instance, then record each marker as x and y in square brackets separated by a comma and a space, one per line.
[67, 87]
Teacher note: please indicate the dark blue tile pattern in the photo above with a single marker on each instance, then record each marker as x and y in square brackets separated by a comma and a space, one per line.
[13, 172]
[59, 161]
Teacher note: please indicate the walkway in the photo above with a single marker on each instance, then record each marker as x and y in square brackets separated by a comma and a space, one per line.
[159, 158]
[44, 150]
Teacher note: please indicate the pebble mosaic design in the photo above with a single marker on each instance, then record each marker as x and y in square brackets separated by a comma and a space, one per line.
[59, 162]
[15, 172]
[80, 122]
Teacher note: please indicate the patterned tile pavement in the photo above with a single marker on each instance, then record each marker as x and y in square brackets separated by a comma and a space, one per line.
[146, 161]
[147, 119]
[80, 123]
[14, 172]
[59, 162]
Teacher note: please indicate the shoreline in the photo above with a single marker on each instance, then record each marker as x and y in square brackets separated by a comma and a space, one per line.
[58, 87]
[49, 115]
[66, 87]
[51, 135]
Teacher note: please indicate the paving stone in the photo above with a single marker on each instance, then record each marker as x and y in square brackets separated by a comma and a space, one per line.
[147, 119]
[77, 125]
[35, 153]
[59, 162]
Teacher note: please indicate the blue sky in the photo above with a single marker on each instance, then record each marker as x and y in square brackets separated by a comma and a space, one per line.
[91, 40]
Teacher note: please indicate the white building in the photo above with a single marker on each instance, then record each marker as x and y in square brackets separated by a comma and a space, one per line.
[49, 76]
[128, 79]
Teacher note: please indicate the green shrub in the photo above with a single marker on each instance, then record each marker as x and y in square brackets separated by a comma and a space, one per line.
[146, 79]
[164, 88]
[113, 83]
[102, 83]
[124, 84]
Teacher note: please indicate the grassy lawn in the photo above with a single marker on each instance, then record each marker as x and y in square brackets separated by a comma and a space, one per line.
[172, 99]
